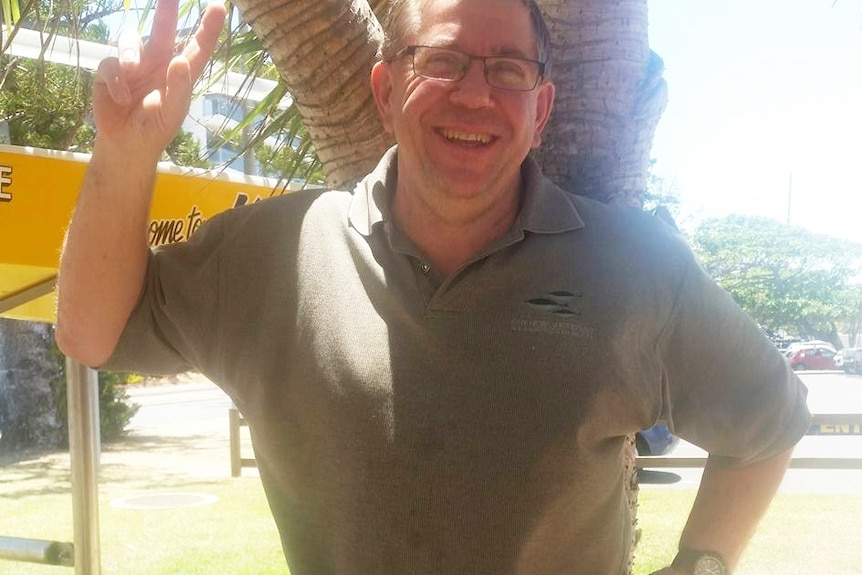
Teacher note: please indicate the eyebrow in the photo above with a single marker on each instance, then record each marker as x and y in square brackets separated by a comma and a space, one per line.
[502, 52]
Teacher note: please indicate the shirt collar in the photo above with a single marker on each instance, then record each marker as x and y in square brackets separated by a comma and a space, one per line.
[370, 204]
[546, 209]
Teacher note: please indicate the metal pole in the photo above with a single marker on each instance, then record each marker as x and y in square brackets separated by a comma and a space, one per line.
[37, 551]
[83, 398]
[235, 456]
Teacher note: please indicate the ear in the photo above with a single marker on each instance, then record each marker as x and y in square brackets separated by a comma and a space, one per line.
[381, 87]
[544, 105]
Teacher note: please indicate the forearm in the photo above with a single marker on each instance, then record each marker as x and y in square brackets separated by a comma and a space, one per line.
[139, 101]
[104, 258]
[729, 505]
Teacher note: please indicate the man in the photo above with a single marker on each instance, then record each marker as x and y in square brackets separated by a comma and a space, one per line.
[439, 369]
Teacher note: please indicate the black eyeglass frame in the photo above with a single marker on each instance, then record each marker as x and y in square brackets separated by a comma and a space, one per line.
[411, 51]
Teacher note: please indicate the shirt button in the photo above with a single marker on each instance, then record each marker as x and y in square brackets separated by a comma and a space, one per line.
[425, 267]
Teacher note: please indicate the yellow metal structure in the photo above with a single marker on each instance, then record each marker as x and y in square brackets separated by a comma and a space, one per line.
[38, 190]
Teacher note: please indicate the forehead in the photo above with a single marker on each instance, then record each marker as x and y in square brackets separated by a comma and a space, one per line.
[481, 27]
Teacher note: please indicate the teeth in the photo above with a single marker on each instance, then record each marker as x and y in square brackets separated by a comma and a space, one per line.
[466, 137]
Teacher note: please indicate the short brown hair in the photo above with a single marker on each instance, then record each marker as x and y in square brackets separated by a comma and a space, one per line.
[403, 15]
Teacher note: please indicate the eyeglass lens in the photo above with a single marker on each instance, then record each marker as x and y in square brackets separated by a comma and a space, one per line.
[451, 65]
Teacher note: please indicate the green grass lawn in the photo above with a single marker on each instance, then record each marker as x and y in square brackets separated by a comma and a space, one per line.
[234, 535]
[802, 534]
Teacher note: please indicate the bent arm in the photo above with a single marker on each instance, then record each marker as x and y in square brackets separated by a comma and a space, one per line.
[139, 101]
[729, 505]
[105, 255]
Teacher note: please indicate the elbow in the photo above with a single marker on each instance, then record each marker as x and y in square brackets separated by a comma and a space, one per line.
[79, 343]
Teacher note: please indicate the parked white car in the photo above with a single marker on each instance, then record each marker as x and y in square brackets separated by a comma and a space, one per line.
[849, 359]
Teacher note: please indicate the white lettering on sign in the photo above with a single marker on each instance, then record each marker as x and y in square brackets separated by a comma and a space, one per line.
[5, 180]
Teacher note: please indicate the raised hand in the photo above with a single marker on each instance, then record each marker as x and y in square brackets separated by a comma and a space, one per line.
[141, 96]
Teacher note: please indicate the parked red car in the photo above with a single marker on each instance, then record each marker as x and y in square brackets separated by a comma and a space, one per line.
[819, 357]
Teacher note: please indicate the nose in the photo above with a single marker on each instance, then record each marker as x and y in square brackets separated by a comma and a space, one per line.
[472, 90]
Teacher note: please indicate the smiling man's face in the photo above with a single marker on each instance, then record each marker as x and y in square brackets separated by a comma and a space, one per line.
[463, 141]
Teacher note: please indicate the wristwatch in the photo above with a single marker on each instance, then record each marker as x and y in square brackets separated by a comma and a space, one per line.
[695, 562]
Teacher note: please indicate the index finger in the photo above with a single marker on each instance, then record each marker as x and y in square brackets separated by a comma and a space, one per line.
[163, 35]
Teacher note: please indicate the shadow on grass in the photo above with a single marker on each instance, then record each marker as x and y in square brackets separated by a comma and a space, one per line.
[32, 472]
[12, 457]
[137, 461]
[156, 443]
[653, 477]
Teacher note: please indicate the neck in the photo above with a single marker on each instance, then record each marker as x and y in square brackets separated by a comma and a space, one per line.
[451, 232]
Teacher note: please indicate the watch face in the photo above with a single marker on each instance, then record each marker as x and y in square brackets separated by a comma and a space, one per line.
[708, 565]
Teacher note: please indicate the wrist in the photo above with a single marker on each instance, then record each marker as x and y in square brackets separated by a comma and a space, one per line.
[119, 163]
[111, 152]
[699, 562]
[119, 183]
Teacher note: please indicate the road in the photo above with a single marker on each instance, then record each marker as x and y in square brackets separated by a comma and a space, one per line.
[194, 404]
[197, 405]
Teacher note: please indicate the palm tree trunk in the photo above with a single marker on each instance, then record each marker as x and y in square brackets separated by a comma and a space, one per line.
[610, 95]
[324, 51]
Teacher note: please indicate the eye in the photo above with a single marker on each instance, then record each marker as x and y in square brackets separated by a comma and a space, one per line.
[508, 71]
[440, 63]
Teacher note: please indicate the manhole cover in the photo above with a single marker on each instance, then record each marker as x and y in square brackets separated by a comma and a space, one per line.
[164, 500]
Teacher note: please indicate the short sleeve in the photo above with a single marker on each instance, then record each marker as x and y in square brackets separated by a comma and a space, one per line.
[726, 387]
[174, 324]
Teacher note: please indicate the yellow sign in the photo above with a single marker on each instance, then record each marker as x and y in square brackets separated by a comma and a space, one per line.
[38, 190]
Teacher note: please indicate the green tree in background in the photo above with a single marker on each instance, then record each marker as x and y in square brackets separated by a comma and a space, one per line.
[785, 277]
[46, 105]
[851, 318]
[184, 150]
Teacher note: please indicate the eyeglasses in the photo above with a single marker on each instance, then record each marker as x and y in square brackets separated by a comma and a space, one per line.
[503, 72]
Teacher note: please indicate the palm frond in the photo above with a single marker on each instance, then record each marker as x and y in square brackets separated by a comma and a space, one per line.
[270, 126]
[11, 12]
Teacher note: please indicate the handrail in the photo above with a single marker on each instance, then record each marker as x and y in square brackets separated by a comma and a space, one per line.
[28, 294]
[821, 424]
[37, 551]
[665, 461]
[851, 421]
[237, 461]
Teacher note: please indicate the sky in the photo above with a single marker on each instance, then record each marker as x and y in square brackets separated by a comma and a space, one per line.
[764, 115]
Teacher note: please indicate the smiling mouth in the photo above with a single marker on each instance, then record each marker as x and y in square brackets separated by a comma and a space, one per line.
[466, 137]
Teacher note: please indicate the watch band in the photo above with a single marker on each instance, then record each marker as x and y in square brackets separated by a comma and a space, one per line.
[699, 562]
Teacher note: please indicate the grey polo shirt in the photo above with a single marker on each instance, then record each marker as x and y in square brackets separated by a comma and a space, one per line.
[406, 423]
